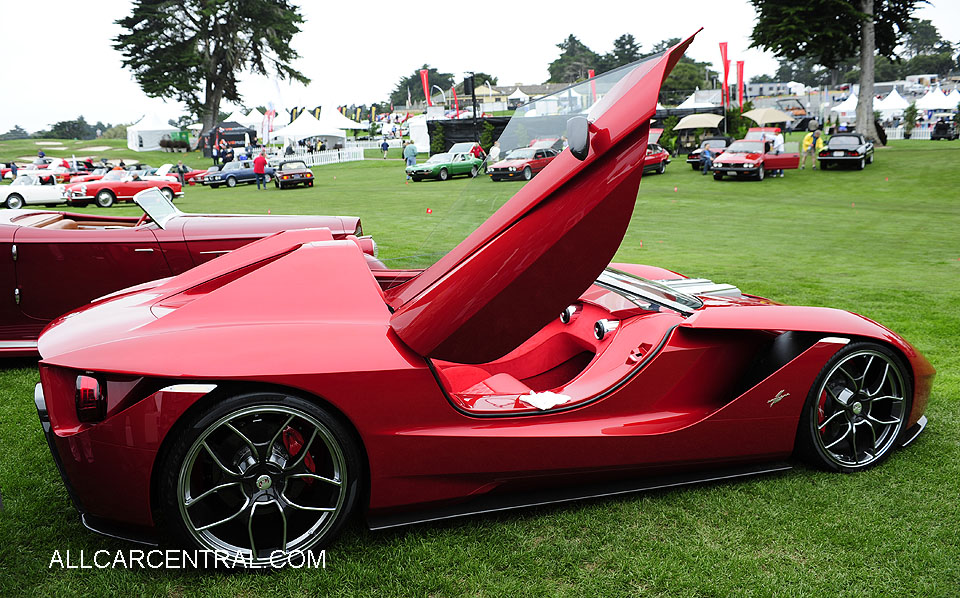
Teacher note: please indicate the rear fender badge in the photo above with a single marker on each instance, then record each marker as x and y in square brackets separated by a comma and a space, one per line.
[780, 396]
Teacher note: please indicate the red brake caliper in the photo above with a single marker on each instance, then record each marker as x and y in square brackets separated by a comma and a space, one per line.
[293, 442]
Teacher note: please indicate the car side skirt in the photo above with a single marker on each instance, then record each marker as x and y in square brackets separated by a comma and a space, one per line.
[498, 503]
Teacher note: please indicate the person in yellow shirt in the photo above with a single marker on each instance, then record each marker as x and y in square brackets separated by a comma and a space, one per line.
[812, 144]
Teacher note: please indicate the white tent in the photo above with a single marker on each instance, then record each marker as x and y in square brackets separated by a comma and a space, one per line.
[692, 102]
[891, 106]
[935, 100]
[333, 118]
[954, 97]
[306, 125]
[145, 135]
[418, 132]
[847, 108]
[519, 95]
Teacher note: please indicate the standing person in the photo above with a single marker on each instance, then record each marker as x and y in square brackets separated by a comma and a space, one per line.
[181, 170]
[778, 149]
[41, 154]
[477, 151]
[323, 145]
[410, 155]
[812, 144]
[259, 168]
[13, 170]
[384, 146]
[494, 155]
[215, 153]
[706, 159]
[227, 153]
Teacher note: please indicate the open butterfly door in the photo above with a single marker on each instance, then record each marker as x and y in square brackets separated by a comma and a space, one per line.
[544, 247]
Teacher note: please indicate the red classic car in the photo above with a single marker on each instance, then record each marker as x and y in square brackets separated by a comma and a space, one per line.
[656, 159]
[62, 260]
[521, 163]
[249, 408]
[119, 185]
[752, 159]
[94, 174]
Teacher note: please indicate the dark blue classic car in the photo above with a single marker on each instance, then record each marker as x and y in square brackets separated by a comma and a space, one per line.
[236, 172]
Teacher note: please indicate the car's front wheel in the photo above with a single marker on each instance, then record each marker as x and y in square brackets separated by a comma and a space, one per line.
[105, 199]
[857, 409]
[444, 175]
[259, 475]
[167, 192]
[761, 173]
[14, 201]
[231, 181]
[718, 176]
[527, 173]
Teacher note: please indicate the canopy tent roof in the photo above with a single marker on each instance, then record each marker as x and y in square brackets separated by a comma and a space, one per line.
[145, 135]
[307, 125]
[893, 101]
[698, 121]
[764, 116]
[692, 102]
[251, 120]
[151, 122]
[954, 97]
[935, 100]
[848, 105]
[332, 118]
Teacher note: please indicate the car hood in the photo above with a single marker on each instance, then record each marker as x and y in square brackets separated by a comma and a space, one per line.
[546, 245]
[738, 158]
[512, 163]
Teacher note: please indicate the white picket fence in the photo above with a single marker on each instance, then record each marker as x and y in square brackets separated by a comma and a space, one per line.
[334, 156]
[373, 143]
[917, 133]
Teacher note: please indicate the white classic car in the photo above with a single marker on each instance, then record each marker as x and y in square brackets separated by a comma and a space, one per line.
[30, 189]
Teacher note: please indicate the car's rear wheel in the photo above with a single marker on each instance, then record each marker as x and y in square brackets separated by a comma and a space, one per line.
[105, 199]
[661, 168]
[444, 175]
[310, 184]
[527, 173]
[258, 475]
[695, 167]
[870, 159]
[473, 172]
[167, 192]
[14, 201]
[861, 164]
[231, 181]
[857, 409]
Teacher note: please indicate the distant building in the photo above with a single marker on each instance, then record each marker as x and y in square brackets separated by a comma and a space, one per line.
[776, 88]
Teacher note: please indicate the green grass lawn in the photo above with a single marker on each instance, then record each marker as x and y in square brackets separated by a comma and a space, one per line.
[884, 242]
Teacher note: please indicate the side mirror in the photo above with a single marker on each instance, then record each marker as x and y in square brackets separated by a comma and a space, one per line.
[578, 137]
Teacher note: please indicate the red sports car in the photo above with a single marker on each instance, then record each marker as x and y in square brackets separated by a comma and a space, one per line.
[252, 404]
[656, 159]
[63, 260]
[752, 159]
[522, 163]
[119, 185]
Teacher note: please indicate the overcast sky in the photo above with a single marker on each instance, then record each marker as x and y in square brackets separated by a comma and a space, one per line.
[62, 65]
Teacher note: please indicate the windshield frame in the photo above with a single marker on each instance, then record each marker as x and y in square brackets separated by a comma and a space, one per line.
[756, 146]
[156, 205]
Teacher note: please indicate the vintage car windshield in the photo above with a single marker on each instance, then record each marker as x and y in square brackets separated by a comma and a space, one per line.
[647, 293]
[114, 175]
[473, 200]
[715, 143]
[157, 206]
[844, 141]
[521, 153]
[293, 166]
[745, 147]
[24, 179]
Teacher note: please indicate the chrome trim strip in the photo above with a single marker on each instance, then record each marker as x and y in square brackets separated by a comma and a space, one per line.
[915, 431]
[115, 533]
[190, 388]
[18, 344]
[835, 339]
[217, 251]
[144, 249]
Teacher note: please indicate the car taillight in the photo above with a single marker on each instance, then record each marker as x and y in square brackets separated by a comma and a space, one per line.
[851, 153]
[90, 400]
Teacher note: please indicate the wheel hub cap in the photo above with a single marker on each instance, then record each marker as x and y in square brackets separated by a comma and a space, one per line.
[264, 482]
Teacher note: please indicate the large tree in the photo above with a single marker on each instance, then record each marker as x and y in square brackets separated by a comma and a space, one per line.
[195, 50]
[574, 61]
[830, 31]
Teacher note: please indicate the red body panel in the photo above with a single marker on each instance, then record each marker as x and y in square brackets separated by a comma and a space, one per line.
[122, 190]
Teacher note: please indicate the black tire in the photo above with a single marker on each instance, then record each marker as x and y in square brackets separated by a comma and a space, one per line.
[104, 198]
[870, 159]
[310, 184]
[661, 168]
[416, 179]
[695, 167]
[231, 181]
[167, 192]
[834, 409]
[473, 172]
[761, 173]
[255, 450]
[527, 173]
[495, 179]
[862, 164]
[718, 176]
[14, 201]
[444, 175]
[214, 186]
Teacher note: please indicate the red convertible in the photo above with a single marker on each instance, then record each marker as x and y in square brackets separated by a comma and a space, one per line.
[62, 260]
[752, 159]
[251, 405]
[119, 185]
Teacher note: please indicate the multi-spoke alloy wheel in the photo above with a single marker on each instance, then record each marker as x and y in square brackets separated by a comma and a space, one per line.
[857, 409]
[259, 476]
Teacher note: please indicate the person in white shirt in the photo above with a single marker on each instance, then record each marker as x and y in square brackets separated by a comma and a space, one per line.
[778, 149]
[494, 155]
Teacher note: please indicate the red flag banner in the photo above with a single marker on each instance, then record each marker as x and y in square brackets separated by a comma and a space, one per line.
[456, 105]
[725, 97]
[593, 85]
[741, 92]
[426, 90]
